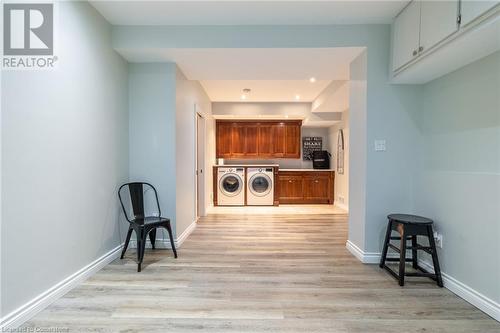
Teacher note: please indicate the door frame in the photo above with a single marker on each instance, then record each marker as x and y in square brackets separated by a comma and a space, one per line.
[199, 182]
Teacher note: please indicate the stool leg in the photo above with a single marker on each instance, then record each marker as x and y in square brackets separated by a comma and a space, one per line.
[402, 257]
[386, 244]
[414, 252]
[435, 261]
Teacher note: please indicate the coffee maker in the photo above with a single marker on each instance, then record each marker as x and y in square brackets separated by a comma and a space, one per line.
[321, 159]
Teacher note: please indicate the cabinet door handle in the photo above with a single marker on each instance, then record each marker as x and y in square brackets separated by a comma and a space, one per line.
[414, 52]
[420, 49]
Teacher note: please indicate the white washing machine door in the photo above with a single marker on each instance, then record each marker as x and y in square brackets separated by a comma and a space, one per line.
[231, 184]
[260, 185]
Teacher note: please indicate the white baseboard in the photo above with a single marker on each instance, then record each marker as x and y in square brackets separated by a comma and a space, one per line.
[483, 303]
[37, 304]
[182, 237]
[364, 257]
[164, 243]
[341, 206]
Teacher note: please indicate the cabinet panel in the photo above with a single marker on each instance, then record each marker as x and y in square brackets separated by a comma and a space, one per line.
[224, 140]
[470, 10]
[292, 141]
[406, 35]
[278, 140]
[316, 188]
[438, 20]
[252, 140]
[265, 140]
[290, 189]
[238, 146]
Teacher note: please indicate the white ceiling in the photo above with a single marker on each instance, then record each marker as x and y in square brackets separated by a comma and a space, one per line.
[272, 74]
[263, 90]
[237, 12]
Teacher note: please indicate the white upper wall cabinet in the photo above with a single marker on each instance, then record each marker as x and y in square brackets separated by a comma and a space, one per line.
[438, 20]
[406, 35]
[470, 10]
[433, 38]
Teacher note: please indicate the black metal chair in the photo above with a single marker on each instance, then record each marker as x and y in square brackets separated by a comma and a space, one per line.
[140, 223]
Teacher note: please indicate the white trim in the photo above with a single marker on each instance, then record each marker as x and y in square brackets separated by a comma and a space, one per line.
[364, 257]
[480, 301]
[28, 310]
[341, 206]
[182, 237]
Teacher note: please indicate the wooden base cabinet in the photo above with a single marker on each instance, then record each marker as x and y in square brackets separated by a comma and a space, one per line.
[306, 187]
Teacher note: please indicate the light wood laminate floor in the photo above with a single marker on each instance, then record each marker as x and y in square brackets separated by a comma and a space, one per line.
[266, 273]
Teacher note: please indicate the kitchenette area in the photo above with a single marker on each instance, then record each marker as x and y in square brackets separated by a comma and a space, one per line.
[272, 162]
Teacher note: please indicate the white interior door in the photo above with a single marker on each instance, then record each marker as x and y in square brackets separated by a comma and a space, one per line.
[200, 165]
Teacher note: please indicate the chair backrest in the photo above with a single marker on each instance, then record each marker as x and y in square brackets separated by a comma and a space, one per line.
[134, 206]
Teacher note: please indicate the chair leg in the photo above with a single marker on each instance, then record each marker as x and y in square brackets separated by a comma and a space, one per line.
[169, 229]
[402, 258]
[435, 261]
[414, 252]
[141, 244]
[152, 238]
[386, 244]
[127, 240]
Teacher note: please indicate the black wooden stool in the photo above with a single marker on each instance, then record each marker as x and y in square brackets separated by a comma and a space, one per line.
[409, 227]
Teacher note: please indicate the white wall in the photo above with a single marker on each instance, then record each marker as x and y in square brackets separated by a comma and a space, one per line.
[188, 94]
[358, 150]
[64, 154]
[341, 180]
[458, 178]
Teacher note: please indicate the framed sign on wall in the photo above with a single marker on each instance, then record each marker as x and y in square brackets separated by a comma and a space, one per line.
[309, 145]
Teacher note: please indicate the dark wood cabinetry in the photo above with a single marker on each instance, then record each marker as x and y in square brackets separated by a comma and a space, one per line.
[305, 187]
[256, 140]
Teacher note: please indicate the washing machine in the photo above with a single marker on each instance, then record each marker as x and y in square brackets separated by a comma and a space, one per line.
[260, 186]
[230, 186]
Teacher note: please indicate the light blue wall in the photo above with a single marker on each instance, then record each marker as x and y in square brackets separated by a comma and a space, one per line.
[188, 94]
[391, 110]
[459, 174]
[64, 154]
[153, 130]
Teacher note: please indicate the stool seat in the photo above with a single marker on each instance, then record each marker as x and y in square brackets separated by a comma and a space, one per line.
[409, 228]
[409, 219]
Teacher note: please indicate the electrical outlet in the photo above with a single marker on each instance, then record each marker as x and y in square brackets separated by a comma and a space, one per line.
[438, 239]
[380, 145]
[341, 199]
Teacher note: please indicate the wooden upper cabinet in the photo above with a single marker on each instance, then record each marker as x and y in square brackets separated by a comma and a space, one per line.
[252, 141]
[263, 139]
[278, 140]
[239, 147]
[224, 140]
[292, 141]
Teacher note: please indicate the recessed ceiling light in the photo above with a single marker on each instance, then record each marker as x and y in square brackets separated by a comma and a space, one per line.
[297, 97]
[243, 96]
[312, 80]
